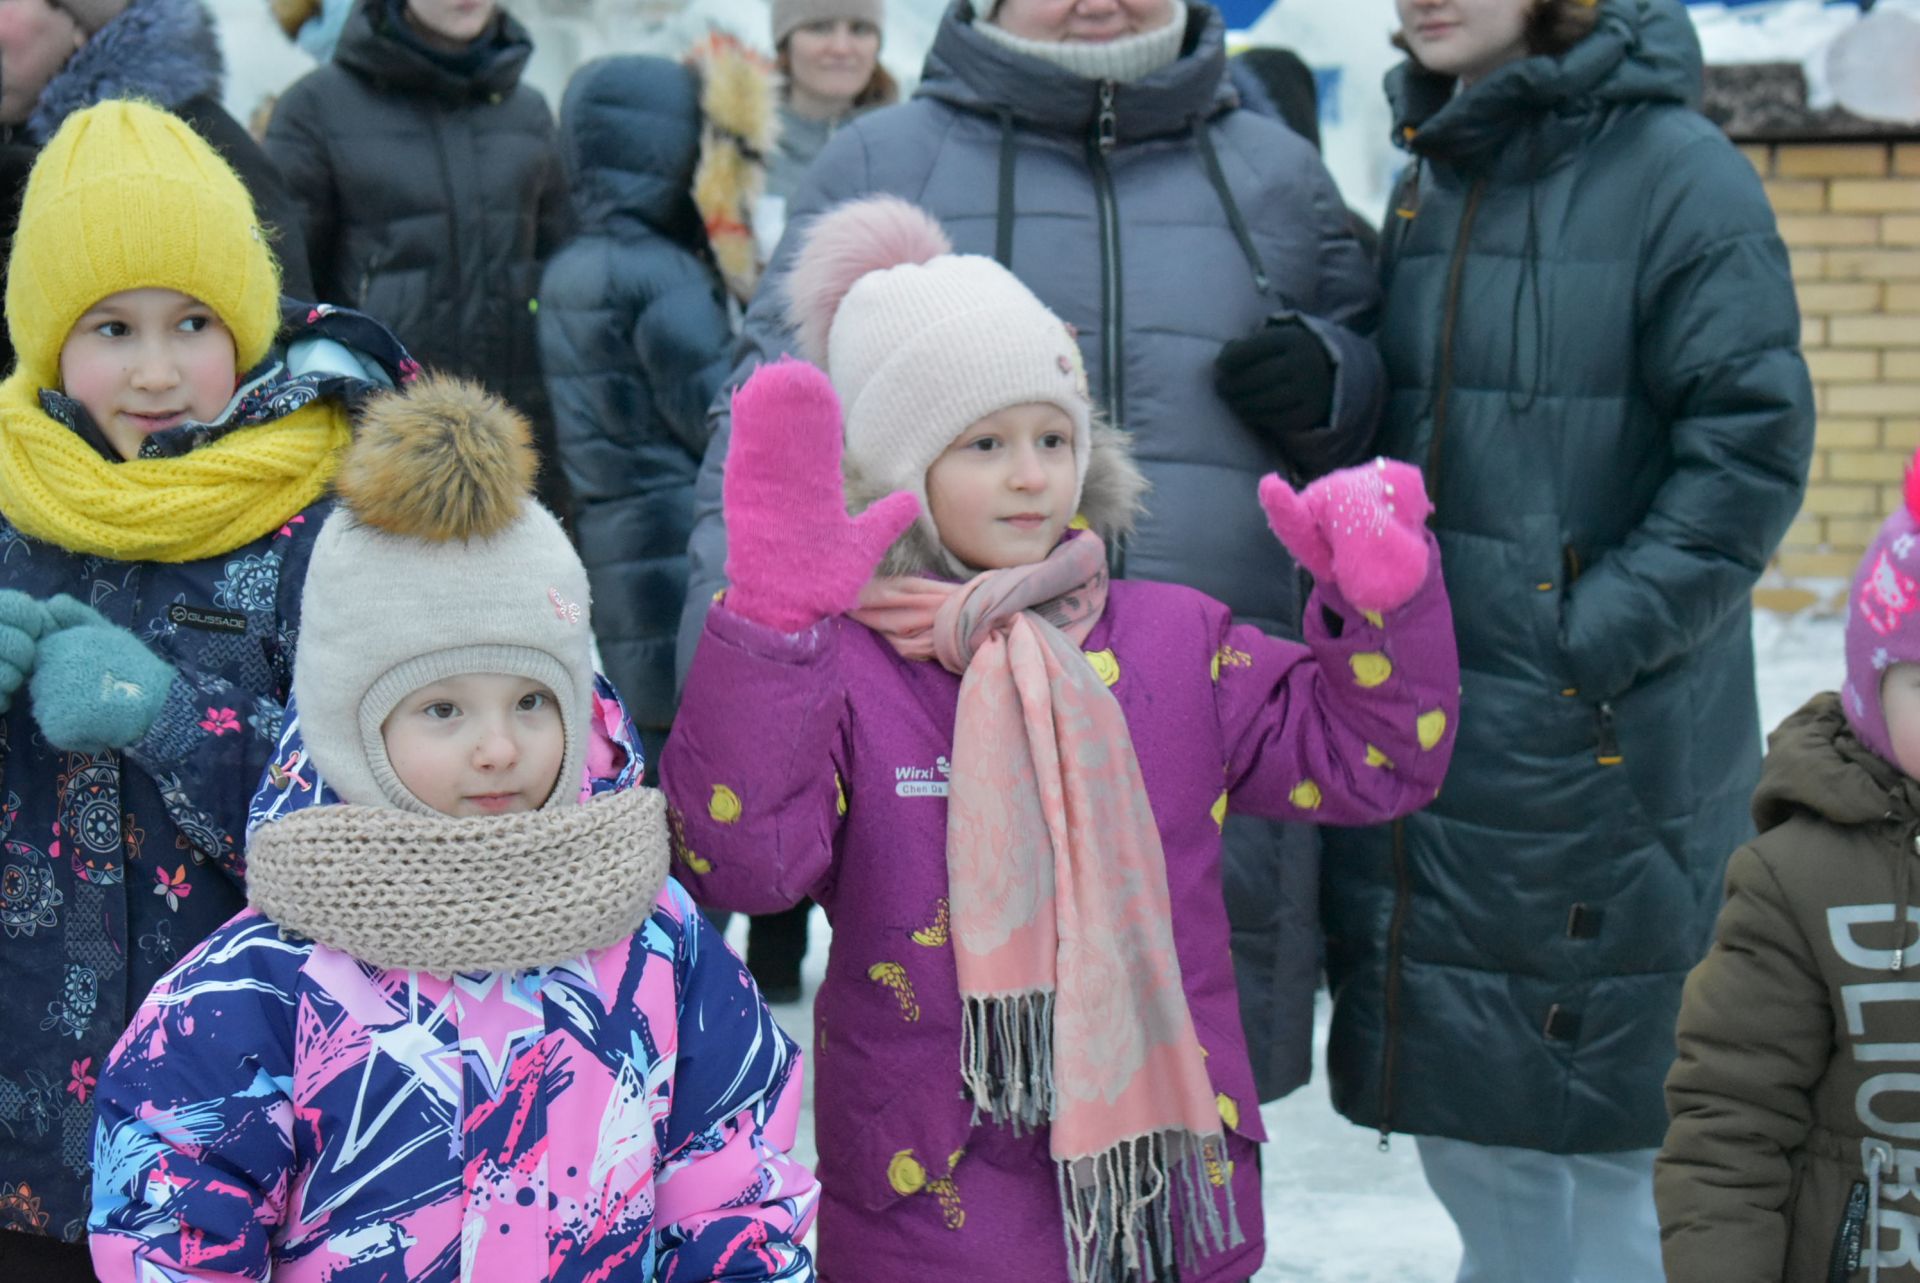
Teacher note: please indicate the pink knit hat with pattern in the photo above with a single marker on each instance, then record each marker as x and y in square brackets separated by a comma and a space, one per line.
[1883, 616]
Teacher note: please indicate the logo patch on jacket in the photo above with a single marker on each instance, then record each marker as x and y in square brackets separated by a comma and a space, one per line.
[922, 781]
[207, 619]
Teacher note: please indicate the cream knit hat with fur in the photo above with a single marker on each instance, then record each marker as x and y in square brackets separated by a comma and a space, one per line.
[437, 563]
[920, 342]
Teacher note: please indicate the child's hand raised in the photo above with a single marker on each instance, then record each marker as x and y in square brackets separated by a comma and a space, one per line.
[1360, 529]
[794, 556]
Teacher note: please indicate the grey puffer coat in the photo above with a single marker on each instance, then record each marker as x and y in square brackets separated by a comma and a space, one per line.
[1592, 343]
[429, 197]
[1161, 220]
[635, 339]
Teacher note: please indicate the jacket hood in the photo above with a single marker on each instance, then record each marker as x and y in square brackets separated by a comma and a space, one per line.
[1639, 51]
[1817, 765]
[1110, 501]
[630, 137]
[164, 51]
[678, 148]
[966, 70]
[371, 48]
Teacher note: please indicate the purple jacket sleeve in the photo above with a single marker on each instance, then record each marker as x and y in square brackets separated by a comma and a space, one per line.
[1356, 726]
[752, 771]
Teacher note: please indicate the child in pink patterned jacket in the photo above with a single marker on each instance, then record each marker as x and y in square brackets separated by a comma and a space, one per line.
[468, 1028]
[1004, 775]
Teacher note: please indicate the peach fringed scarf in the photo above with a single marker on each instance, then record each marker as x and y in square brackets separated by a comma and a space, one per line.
[1074, 1018]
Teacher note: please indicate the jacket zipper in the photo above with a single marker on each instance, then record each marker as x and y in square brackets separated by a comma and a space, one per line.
[1099, 148]
[1402, 893]
[446, 185]
[1844, 1259]
[1443, 378]
[1390, 1045]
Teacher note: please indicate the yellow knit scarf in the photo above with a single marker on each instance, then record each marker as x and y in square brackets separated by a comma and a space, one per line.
[56, 488]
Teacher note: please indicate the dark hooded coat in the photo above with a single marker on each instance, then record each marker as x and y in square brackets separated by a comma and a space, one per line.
[1593, 349]
[635, 338]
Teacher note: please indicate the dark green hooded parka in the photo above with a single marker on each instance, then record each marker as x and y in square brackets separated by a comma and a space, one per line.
[1592, 348]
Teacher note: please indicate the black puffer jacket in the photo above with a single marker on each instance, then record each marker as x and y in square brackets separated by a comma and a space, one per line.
[166, 52]
[635, 337]
[1592, 346]
[429, 197]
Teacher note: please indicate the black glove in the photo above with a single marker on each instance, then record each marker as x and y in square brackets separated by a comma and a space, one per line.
[1278, 379]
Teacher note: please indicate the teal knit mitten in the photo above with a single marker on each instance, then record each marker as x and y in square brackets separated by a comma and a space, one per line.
[95, 686]
[23, 621]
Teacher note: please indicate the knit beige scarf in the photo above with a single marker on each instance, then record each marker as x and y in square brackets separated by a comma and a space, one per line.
[433, 893]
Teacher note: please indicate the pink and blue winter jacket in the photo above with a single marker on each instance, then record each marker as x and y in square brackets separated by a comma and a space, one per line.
[279, 1108]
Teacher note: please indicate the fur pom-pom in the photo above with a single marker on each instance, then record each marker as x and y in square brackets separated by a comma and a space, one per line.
[1913, 486]
[441, 459]
[844, 244]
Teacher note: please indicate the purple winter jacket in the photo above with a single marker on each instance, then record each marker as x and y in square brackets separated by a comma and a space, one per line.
[815, 764]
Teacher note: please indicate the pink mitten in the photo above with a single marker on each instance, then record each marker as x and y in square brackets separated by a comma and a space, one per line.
[794, 556]
[1361, 529]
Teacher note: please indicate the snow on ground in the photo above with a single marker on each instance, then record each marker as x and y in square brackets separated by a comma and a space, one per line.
[1338, 1209]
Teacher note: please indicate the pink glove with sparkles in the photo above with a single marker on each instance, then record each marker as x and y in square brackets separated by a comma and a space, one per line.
[794, 556]
[1361, 530]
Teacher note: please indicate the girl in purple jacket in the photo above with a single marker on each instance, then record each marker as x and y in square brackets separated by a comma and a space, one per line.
[1004, 774]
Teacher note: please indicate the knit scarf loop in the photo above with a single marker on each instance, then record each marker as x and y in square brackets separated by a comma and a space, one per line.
[1062, 924]
[56, 488]
[492, 893]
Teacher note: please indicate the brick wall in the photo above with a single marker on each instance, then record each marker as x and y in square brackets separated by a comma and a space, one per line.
[1850, 215]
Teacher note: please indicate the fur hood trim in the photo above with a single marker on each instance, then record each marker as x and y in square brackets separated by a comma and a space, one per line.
[164, 51]
[293, 14]
[739, 127]
[1111, 501]
[443, 460]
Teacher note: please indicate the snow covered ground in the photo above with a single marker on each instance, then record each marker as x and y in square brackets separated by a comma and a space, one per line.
[1338, 1209]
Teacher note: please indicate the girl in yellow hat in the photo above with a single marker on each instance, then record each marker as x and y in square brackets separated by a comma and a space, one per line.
[164, 447]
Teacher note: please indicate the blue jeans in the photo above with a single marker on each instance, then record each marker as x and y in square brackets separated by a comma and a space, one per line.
[1530, 1217]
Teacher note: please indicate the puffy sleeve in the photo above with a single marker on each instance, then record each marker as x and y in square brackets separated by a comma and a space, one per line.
[1755, 1035]
[1719, 354]
[733, 1203]
[193, 1145]
[1355, 726]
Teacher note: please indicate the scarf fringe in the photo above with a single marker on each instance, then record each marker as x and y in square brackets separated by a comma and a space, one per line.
[1006, 1058]
[1117, 1205]
[1118, 1208]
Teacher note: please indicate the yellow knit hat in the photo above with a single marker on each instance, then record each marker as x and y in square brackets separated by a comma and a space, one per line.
[127, 196]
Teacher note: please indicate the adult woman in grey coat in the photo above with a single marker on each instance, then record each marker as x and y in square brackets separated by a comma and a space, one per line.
[1592, 344]
[1223, 307]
